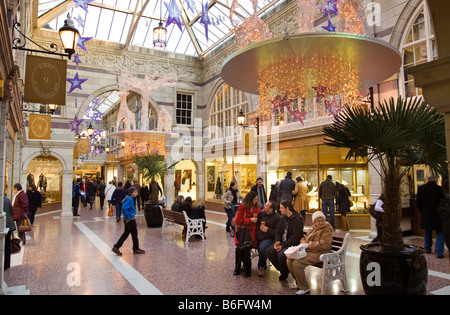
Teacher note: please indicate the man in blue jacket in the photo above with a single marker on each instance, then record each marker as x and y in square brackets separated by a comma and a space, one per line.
[129, 213]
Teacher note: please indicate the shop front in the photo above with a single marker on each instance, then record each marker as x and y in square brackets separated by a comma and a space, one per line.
[45, 173]
[314, 163]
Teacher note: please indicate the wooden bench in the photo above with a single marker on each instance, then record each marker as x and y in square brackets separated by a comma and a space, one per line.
[193, 226]
[333, 263]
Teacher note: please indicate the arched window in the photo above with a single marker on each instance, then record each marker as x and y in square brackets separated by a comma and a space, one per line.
[225, 107]
[418, 46]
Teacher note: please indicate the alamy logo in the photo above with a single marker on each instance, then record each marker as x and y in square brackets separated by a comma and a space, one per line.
[373, 10]
[374, 277]
[74, 277]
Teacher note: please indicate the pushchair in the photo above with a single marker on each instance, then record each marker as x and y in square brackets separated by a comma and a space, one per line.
[234, 207]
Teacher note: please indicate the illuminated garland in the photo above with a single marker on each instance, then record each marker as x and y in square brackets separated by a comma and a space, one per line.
[301, 78]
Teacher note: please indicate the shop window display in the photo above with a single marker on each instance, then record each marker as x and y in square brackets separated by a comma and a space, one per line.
[45, 172]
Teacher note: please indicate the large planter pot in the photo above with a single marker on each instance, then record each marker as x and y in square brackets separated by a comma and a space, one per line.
[393, 273]
[153, 215]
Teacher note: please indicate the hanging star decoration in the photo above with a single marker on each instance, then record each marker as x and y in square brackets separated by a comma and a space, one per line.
[279, 102]
[191, 5]
[333, 108]
[174, 14]
[330, 7]
[204, 19]
[82, 4]
[330, 27]
[298, 115]
[97, 117]
[76, 59]
[83, 40]
[75, 123]
[75, 83]
[320, 92]
[80, 21]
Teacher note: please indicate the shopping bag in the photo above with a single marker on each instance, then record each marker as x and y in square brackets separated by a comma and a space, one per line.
[296, 252]
[110, 211]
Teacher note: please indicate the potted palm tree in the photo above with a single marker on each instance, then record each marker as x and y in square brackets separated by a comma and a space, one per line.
[397, 133]
[153, 166]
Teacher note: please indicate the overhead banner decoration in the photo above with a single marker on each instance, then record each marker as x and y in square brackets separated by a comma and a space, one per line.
[83, 146]
[39, 127]
[45, 80]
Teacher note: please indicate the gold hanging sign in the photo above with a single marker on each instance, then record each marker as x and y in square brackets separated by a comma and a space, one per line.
[83, 146]
[45, 80]
[39, 127]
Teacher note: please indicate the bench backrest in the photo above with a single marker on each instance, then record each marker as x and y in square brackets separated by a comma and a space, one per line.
[177, 217]
[337, 243]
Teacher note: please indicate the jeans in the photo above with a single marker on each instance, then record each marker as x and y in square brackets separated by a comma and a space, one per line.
[428, 240]
[262, 246]
[328, 204]
[230, 216]
[278, 260]
[118, 210]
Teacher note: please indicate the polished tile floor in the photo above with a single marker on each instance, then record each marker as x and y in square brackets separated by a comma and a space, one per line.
[72, 256]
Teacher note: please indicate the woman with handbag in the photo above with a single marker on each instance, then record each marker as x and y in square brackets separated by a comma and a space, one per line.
[245, 236]
[231, 198]
[20, 209]
[317, 241]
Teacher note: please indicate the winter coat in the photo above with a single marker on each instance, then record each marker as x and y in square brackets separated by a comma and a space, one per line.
[271, 221]
[109, 191]
[243, 217]
[300, 197]
[228, 198]
[319, 242]
[20, 206]
[7, 207]
[118, 195]
[290, 230]
[287, 185]
[34, 200]
[429, 197]
[128, 209]
[327, 190]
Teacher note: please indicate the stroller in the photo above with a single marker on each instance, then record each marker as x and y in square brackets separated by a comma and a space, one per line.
[234, 207]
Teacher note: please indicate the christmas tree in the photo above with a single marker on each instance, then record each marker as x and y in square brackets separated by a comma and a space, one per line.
[219, 189]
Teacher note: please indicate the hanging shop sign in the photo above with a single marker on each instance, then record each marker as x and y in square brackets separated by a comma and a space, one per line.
[45, 80]
[39, 127]
[83, 146]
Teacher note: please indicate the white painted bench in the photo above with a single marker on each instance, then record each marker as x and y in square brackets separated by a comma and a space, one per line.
[193, 226]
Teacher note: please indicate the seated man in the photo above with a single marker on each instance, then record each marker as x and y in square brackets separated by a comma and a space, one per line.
[267, 224]
[289, 233]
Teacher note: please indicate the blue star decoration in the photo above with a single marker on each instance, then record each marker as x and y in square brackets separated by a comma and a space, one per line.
[82, 4]
[330, 7]
[191, 5]
[80, 21]
[330, 27]
[76, 59]
[204, 19]
[83, 40]
[174, 14]
[75, 123]
[75, 83]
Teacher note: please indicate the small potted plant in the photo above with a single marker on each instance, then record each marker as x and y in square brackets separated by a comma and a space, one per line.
[395, 133]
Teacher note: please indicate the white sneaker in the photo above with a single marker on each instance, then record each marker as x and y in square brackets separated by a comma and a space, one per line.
[294, 287]
[302, 292]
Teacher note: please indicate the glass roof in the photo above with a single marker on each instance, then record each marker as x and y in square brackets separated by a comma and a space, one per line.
[131, 22]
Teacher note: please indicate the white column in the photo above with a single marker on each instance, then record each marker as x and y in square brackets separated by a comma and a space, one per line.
[3, 230]
[66, 203]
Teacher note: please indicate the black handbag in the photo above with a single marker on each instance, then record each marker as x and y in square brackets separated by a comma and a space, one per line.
[15, 244]
[244, 238]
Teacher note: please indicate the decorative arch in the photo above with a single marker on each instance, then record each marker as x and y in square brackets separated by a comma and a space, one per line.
[38, 153]
[403, 21]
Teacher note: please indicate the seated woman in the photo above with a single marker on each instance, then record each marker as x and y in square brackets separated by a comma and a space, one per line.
[318, 240]
[177, 204]
[198, 212]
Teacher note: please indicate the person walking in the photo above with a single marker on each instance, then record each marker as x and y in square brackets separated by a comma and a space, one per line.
[429, 197]
[138, 197]
[109, 191]
[20, 208]
[317, 241]
[266, 226]
[343, 203]
[289, 232]
[83, 188]
[76, 194]
[377, 212]
[300, 197]
[90, 192]
[327, 192]
[260, 191]
[246, 218]
[145, 194]
[286, 187]
[101, 192]
[230, 199]
[129, 219]
[117, 197]
[34, 202]
[8, 209]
